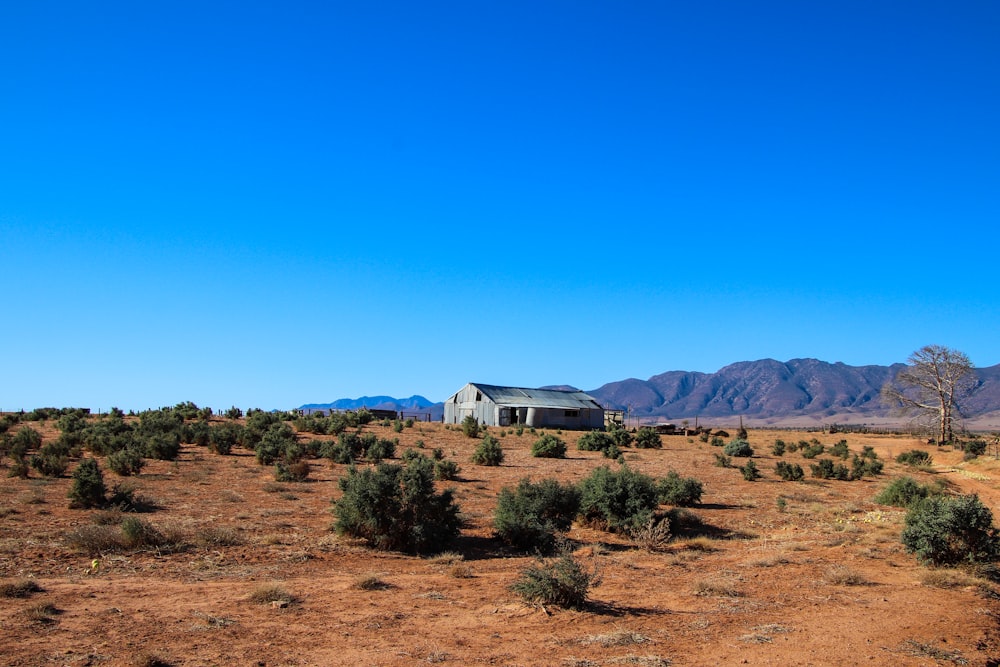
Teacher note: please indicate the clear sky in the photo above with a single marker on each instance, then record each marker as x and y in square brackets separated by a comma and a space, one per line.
[266, 204]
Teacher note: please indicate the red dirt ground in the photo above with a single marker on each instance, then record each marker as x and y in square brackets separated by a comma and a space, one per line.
[823, 581]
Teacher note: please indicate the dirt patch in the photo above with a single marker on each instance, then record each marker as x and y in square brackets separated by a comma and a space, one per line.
[818, 577]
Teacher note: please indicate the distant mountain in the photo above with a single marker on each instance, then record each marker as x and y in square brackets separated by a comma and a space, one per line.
[763, 392]
[412, 404]
[775, 391]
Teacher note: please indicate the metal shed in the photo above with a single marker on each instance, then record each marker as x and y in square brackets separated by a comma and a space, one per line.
[508, 406]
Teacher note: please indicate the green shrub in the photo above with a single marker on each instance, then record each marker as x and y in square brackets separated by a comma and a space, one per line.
[126, 462]
[795, 446]
[223, 437]
[395, 507]
[488, 452]
[549, 447]
[620, 435]
[88, 488]
[679, 491]
[750, 472]
[738, 447]
[723, 461]
[53, 458]
[445, 470]
[778, 449]
[137, 533]
[162, 446]
[560, 582]
[618, 501]
[825, 469]
[973, 449]
[840, 450]
[291, 472]
[790, 472]
[903, 492]
[717, 441]
[865, 467]
[348, 448]
[196, 433]
[377, 449]
[648, 438]
[595, 441]
[528, 517]
[26, 439]
[915, 458]
[811, 450]
[951, 530]
[470, 427]
[274, 443]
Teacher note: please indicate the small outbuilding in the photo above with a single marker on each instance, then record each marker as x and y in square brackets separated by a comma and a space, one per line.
[510, 406]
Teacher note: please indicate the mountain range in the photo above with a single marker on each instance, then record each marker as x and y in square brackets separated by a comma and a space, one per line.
[792, 393]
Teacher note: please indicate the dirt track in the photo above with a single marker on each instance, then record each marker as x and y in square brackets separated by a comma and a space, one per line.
[824, 581]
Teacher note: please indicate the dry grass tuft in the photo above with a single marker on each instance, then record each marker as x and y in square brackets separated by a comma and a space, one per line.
[617, 638]
[20, 588]
[841, 575]
[703, 544]
[716, 587]
[270, 593]
[43, 613]
[944, 578]
[371, 582]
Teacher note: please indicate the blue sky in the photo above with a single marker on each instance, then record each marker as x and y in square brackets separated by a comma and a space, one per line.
[271, 204]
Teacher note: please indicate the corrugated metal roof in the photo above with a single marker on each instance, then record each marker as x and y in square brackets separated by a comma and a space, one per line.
[539, 398]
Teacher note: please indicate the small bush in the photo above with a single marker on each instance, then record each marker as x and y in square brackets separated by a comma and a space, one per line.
[470, 427]
[223, 437]
[126, 462]
[88, 488]
[865, 467]
[790, 472]
[163, 446]
[902, 492]
[549, 447]
[529, 516]
[560, 582]
[738, 447]
[618, 500]
[50, 463]
[723, 461]
[595, 441]
[973, 449]
[717, 441]
[446, 470]
[840, 450]
[750, 472]
[378, 449]
[137, 534]
[291, 472]
[488, 452]
[620, 435]
[648, 438]
[811, 450]
[20, 588]
[270, 593]
[778, 449]
[679, 491]
[395, 507]
[951, 530]
[915, 458]
[826, 469]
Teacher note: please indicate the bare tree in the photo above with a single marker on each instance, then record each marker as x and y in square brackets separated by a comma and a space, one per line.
[932, 386]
